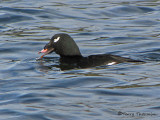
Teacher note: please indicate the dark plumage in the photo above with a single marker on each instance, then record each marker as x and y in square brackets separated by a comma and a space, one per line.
[70, 55]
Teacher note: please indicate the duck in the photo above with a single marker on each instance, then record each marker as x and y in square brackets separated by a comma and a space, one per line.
[70, 55]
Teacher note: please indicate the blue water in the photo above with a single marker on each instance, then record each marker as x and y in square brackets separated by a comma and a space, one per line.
[33, 89]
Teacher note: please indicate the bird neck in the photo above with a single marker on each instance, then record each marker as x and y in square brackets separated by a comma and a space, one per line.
[71, 56]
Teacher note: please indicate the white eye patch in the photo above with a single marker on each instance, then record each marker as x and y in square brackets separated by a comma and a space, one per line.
[56, 39]
[111, 63]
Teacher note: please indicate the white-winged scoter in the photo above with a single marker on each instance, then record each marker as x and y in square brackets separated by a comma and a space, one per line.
[65, 46]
